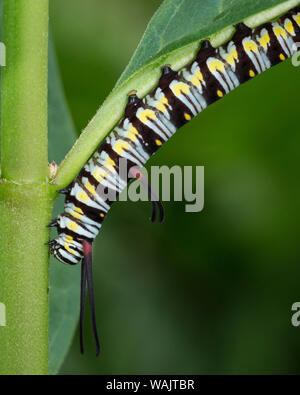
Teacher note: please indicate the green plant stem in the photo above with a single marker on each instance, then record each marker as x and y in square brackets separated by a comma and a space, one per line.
[24, 213]
[25, 196]
[24, 91]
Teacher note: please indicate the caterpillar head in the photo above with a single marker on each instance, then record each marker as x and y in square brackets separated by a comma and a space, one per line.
[66, 249]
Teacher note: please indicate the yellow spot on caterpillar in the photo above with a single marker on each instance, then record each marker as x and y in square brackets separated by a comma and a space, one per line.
[102, 215]
[78, 210]
[180, 88]
[290, 28]
[297, 18]
[82, 196]
[250, 46]
[120, 146]
[67, 247]
[282, 57]
[160, 106]
[90, 188]
[195, 81]
[99, 174]
[251, 73]
[187, 116]
[280, 32]
[76, 215]
[162, 103]
[72, 226]
[109, 164]
[164, 100]
[158, 142]
[216, 65]
[232, 57]
[197, 78]
[146, 114]
[220, 93]
[132, 133]
[264, 40]
[69, 238]
[199, 75]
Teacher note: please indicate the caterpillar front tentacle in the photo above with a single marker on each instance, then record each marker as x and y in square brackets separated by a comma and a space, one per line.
[166, 69]
[206, 44]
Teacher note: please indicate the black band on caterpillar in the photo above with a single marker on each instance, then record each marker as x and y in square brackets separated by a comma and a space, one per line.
[148, 123]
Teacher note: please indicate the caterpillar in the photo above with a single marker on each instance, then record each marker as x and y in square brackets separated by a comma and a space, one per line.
[149, 122]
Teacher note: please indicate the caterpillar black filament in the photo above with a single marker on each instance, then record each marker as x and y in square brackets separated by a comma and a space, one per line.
[148, 123]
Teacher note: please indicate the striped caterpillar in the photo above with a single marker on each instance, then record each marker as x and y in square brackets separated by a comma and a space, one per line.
[149, 122]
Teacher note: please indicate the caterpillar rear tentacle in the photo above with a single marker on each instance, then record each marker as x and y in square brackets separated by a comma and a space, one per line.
[82, 304]
[149, 122]
[87, 279]
[156, 203]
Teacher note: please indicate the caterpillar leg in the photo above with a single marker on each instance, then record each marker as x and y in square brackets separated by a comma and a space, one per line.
[156, 203]
[87, 277]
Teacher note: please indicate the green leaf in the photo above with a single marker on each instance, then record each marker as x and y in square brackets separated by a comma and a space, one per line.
[64, 280]
[172, 37]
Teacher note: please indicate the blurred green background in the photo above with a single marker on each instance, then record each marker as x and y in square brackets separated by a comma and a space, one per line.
[207, 292]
